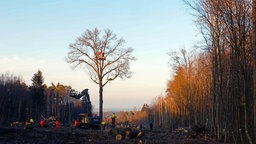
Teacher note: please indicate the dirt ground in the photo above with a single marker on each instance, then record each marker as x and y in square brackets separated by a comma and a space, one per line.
[64, 135]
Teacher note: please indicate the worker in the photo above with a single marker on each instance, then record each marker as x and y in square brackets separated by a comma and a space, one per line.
[103, 123]
[140, 125]
[113, 116]
[26, 123]
[57, 124]
[151, 126]
[31, 121]
[41, 123]
[76, 123]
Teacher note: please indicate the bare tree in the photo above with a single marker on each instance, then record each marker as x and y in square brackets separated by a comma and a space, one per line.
[105, 57]
[254, 62]
[225, 26]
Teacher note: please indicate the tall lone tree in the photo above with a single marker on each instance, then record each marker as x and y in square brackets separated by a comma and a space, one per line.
[37, 95]
[104, 55]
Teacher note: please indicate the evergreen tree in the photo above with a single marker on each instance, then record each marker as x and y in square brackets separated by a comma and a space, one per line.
[37, 95]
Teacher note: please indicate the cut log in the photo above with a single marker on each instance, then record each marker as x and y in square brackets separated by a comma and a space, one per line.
[118, 137]
[126, 133]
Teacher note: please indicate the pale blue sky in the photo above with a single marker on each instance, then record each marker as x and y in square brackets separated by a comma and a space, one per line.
[35, 34]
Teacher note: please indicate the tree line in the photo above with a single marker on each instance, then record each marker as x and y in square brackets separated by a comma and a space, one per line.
[18, 100]
[213, 85]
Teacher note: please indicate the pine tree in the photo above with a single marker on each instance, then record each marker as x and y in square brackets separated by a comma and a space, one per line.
[37, 95]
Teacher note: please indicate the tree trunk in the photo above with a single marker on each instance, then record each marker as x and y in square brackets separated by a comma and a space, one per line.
[254, 63]
[101, 99]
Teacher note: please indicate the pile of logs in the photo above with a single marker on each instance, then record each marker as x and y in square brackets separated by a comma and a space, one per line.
[126, 133]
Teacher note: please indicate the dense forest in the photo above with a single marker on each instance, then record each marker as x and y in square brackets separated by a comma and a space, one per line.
[213, 85]
[18, 101]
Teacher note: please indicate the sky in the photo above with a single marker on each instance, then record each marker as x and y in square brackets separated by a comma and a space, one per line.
[35, 35]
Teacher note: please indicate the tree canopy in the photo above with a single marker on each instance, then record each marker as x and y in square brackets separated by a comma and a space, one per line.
[104, 56]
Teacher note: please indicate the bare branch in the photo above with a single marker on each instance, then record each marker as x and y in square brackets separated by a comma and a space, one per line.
[105, 56]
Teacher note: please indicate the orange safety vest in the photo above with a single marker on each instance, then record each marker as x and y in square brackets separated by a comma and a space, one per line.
[41, 123]
[56, 124]
[76, 123]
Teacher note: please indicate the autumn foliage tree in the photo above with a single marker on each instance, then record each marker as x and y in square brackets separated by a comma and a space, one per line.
[187, 100]
[134, 117]
[214, 86]
[59, 103]
[226, 27]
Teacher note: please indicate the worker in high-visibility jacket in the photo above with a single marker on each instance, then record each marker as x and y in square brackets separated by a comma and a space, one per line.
[31, 121]
[103, 124]
[57, 124]
[41, 123]
[75, 123]
[113, 117]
